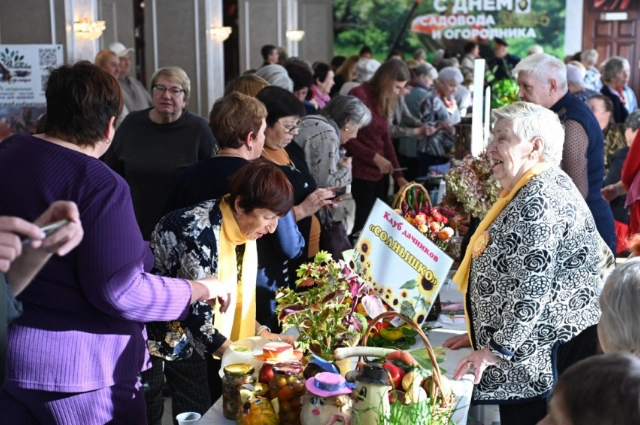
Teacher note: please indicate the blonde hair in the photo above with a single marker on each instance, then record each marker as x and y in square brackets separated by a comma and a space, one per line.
[249, 85]
[346, 69]
[176, 75]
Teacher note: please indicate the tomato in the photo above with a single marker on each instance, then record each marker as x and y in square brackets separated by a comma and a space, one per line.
[395, 374]
[286, 394]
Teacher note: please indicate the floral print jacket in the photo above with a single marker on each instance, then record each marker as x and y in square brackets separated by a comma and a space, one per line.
[535, 286]
[185, 244]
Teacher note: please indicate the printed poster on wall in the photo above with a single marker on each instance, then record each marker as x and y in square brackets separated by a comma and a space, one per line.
[402, 265]
[449, 24]
[24, 71]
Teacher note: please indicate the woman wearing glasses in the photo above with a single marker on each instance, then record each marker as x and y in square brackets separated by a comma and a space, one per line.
[151, 147]
[276, 270]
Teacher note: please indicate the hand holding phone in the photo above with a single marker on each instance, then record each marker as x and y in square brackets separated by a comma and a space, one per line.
[341, 191]
[49, 229]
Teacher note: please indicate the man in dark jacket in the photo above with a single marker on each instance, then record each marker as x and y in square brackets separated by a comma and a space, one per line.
[502, 63]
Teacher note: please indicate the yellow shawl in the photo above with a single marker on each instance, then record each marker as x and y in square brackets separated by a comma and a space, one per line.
[239, 321]
[480, 238]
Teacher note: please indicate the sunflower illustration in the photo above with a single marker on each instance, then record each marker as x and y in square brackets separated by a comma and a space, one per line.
[395, 302]
[364, 248]
[404, 294]
[388, 290]
[420, 318]
[427, 285]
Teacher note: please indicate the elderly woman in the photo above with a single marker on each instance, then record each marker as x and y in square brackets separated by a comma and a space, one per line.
[589, 58]
[576, 84]
[322, 136]
[214, 238]
[542, 79]
[153, 146]
[276, 75]
[599, 390]
[277, 269]
[615, 74]
[238, 123]
[75, 354]
[614, 133]
[438, 110]
[530, 274]
[373, 155]
[322, 84]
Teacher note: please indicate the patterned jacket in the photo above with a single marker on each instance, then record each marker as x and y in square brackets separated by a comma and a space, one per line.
[535, 286]
[185, 244]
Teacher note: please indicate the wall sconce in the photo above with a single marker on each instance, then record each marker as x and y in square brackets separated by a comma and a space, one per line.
[89, 30]
[220, 33]
[295, 35]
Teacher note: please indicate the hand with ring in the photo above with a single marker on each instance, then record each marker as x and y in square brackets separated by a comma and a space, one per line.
[477, 361]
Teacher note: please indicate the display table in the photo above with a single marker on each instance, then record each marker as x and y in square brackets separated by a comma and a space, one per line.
[450, 327]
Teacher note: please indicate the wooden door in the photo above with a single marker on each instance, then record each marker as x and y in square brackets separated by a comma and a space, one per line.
[612, 27]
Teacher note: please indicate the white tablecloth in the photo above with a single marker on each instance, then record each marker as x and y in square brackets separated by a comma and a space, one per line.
[462, 389]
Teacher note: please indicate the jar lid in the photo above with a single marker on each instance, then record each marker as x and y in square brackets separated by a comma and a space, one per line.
[288, 368]
[239, 369]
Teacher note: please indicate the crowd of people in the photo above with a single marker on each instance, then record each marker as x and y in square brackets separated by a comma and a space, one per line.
[180, 229]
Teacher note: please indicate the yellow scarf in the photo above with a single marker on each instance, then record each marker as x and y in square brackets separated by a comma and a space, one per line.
[239, 321]
[480, 238]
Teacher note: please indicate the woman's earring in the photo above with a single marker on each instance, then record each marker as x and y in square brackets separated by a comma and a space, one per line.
[346, 129]
[249, 148]
[238, 215]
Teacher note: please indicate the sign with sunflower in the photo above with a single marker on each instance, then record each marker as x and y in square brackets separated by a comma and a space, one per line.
[401, 264]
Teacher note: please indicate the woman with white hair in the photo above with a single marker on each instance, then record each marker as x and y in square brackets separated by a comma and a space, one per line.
[589, 59]
[543, 80]
[530, 275]
[438, 109]
[615, 74]
[276, 75]
[576, 84]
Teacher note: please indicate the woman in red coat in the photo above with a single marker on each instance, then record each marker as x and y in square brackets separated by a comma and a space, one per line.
[372, 151]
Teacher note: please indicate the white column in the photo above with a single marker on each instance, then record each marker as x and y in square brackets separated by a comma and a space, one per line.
[477, 116]
[215, 52]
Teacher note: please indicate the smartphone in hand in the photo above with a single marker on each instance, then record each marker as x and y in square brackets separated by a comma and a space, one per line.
[49, 229]
[342, 191]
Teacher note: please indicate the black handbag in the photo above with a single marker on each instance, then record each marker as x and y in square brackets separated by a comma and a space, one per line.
[333, 236]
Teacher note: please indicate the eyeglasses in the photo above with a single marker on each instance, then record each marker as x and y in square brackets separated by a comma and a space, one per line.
[290, 129]
[173, 91]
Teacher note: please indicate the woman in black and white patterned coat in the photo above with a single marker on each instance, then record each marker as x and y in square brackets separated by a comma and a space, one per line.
[531, 274]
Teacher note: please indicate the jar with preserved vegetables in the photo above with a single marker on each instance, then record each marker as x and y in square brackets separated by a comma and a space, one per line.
[235, 376]
[288, 385]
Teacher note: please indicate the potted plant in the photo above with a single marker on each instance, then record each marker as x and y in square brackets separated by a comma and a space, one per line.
[323, 306]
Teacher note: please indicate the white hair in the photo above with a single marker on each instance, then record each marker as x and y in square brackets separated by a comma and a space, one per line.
[590, 56]
[528, 121]
[450, 73]
[620, 303]
[536, 48]
[575, 75]
[544, 67]
[276, 75]
[612, 66]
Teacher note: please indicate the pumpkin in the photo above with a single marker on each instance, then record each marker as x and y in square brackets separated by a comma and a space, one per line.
[257, 411]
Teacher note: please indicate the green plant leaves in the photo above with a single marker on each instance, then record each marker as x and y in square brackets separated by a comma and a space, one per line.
[409, 284]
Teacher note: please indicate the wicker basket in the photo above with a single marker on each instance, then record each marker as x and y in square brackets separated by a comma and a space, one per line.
[402, 194]
[437, 391]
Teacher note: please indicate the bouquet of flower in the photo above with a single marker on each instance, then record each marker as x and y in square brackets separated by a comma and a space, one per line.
[471, 188]
[323, 307]
[504, 92]
[433, 224]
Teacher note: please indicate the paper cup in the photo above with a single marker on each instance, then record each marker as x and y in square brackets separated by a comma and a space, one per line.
[188, 418]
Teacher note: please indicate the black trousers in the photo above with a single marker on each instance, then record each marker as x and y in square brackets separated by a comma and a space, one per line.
[365, 193]
[187, 380]
[529, 413]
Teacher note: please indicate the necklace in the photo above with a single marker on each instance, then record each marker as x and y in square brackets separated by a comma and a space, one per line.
[224, 152]
[290, 164]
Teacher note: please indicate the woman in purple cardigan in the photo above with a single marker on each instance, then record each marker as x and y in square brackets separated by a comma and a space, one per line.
[75, 354]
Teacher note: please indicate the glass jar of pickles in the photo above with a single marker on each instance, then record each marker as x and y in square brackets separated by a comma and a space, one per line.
[288, 385]
[235, 376]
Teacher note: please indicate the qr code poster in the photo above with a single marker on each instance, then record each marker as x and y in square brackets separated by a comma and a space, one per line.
[24, 72]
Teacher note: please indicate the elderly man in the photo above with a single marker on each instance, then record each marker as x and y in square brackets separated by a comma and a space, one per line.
[136, 97]
[109, 61]
[502, 63]
[543, 80]
[589, 58]
[615, 74]
[576, 84]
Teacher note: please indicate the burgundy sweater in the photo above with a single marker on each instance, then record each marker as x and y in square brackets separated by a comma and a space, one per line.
[372, 139]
